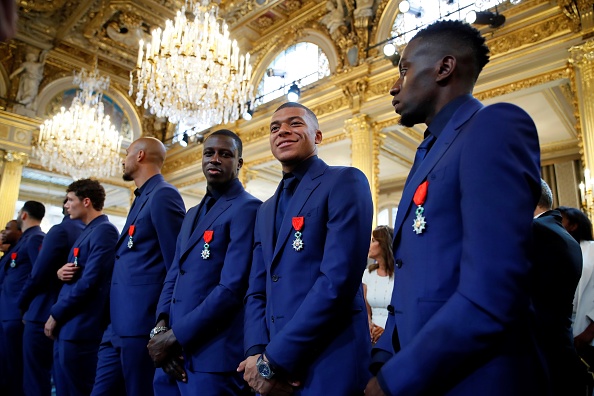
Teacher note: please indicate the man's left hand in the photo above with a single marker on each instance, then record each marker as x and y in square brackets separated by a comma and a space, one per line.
[174, 367]
[373, 388]
[49, 327]
[160, 347]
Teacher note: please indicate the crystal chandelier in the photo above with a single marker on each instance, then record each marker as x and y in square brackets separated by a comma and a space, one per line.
[192, 72]
[81, 141]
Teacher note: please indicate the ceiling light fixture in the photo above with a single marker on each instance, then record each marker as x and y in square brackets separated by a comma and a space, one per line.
[294, 93]
[492, 19]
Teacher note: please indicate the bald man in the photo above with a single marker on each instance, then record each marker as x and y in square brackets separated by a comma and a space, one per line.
[144, 253]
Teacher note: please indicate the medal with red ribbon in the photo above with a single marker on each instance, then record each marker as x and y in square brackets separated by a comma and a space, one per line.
[130, 234]
[419, 198]
[207, 239]
[298, 225]
[75, 250]
[13, 257]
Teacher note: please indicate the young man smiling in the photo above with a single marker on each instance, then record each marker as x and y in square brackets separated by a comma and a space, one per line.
[306, 321]
[200, 312]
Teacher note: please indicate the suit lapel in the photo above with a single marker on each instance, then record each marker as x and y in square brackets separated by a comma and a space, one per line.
[442, 144]
[304, 190]
[220, 206]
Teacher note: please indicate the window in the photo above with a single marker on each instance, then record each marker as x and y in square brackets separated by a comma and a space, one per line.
[387, 216]
[303, 63]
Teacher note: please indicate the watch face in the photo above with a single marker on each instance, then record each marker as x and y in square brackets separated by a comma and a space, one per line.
[264, 370]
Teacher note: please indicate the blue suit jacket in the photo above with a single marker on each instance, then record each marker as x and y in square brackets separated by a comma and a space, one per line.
[207, 294]
[306, 307]
[42, 287]
[139, 271]
[27, 250]
[81, 309]
[461, 290]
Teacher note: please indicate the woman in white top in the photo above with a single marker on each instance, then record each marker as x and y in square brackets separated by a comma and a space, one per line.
[378, 280]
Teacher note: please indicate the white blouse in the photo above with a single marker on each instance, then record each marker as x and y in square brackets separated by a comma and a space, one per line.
[379, 295]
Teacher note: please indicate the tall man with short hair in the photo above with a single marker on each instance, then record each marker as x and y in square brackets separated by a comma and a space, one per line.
[144, 252]
[16, 268]
[201, 306]
[39, 293]
[460, 321]
[306, 327]
[79, 316]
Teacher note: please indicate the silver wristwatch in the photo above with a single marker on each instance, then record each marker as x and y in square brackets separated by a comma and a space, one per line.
[264, 368]
[157, 330]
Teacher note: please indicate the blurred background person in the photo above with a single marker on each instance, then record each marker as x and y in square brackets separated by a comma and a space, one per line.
[557, 261]
[580, 228]
[378, 280]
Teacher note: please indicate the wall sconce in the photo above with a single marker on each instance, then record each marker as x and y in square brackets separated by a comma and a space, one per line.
[294, 93]
[391, 53]
[184, 141]
[249, 112]
[492, 19]
[406, 6]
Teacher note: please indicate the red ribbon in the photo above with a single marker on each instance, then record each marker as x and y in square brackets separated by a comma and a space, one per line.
[76, 252]
[13, 256]
[131, 230]
[208, 236]
[421, 194]
[298, 223]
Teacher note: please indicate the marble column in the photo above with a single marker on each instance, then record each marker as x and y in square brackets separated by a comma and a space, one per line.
[10, 181]
[365, 153]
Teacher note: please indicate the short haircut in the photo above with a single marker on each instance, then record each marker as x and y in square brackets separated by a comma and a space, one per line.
[300, 106]
[87, 188]
[35, 209]
[574, 216]
[546, 196]
[16, 224]
[460, 36]
[232, 135]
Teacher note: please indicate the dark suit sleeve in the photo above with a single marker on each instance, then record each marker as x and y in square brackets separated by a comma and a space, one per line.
[163, 307]
[349, 219]
[256, 334]
[34, 246]
[227, 297]
[167, 214]
[54, 244]
[499, 186]
[97, 267]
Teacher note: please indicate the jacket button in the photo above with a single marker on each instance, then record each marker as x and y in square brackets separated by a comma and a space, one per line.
[275, 278]
[272, 318]
[173, 301]
[182, 272]
[398, 263]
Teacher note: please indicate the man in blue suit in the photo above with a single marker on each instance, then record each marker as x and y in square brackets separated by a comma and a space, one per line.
[15, 270]
[79, 316]
[39, 294]
[144, 252]
[9, 236]
[200, 312]
[460, 321]
[306, 327]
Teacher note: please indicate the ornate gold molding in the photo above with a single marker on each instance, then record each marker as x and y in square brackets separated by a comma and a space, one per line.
[543, 30]
[553, 75]
[17, 157]
[355, 91]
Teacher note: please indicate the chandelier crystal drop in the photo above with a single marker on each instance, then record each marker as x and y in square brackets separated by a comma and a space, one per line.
[81, 141]
[191, 71]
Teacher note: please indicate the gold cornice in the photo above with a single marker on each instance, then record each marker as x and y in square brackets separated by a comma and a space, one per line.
[553, 75]
[546, 29]
[15, 156]
[559, 146]
[191, 182]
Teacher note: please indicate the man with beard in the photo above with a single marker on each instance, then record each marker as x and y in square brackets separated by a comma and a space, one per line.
[15, 270]
[144, 252]
[200, 313]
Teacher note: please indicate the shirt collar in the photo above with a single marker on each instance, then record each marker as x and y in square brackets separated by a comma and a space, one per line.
[153, 180]
[446, 113]
[301, 169]
[217, 193]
